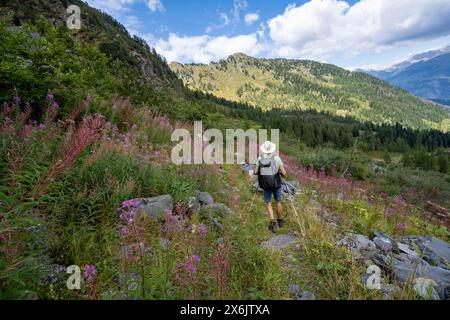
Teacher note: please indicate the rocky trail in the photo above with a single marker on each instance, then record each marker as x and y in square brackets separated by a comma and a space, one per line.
[417, 263]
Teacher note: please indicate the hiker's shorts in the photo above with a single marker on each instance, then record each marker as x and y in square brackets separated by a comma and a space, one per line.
[276, 194]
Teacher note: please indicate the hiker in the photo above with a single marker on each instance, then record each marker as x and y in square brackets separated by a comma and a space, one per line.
[269, 169]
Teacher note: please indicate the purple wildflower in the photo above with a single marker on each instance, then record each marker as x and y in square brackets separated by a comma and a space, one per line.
[390, 212]
[89, 272]
[202, 229]
[8, 121]
[55, 106]
[16, 100]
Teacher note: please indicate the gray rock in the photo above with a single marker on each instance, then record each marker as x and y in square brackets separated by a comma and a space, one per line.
[406, 249]
[280, 242]
[194, 205]
[216, 210]
[357, 241]
[433, 250]
[384, 242]
[217, 225]
[405, 270]
[155, 207]
[306, 295]
[204, 198]
[300, 295]
[425, 288]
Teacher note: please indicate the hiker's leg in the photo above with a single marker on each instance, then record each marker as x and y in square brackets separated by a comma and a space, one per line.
[277, 195]
[268, 201]
[270, 211]
[279, 210]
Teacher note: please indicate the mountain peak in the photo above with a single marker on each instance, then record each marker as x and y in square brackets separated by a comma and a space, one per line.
[239, 56]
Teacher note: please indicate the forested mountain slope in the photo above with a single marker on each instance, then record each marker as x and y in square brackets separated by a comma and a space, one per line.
[296, 84]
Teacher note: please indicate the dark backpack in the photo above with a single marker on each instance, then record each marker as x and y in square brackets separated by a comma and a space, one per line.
[268, 176]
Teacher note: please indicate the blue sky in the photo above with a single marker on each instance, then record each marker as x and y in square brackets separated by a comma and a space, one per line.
[351, 34]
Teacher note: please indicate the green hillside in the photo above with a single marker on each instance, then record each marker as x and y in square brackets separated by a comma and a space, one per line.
[303, 85]
[87, 180]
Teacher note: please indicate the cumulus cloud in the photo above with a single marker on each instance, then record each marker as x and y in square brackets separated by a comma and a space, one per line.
[323, 28]
[155, 5]
[251, 18]
[204, 49]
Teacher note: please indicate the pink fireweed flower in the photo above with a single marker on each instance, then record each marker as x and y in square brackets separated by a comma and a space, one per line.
[399, 201]
[202, 229]
[390, 212]
[124, 231]
[401, 227]
[89, 273]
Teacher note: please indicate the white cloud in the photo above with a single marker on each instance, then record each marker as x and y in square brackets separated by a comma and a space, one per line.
[121, 6]
[155, 5]
[319, 29]
[238, 6]
[204, 49]
[251, 18]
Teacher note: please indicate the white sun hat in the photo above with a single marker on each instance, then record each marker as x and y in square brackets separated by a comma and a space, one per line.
[268, 147]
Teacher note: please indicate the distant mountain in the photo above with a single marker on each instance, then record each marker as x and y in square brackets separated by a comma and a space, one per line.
[399, 67]
[297, 84]
[426, 75]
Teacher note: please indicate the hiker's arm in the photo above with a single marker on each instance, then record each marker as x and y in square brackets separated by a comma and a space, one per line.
[283, 172]
[256, 170]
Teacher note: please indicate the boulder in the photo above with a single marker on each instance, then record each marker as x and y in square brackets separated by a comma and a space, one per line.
[405, 270]
[406, 249]
[155, 207]
[357, 241]
[425, 288]
[280, 242]
[216, 210]
[433, 250]
[384, 242]
[204, 198]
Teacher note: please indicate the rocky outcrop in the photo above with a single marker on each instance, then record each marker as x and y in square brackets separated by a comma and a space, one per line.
[156, 207]
[421, 262]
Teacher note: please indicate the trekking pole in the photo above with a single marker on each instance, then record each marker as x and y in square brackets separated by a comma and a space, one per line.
[289, 196]
[253, 200]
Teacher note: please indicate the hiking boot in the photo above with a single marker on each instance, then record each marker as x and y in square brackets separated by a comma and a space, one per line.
[280, 223]
[273, 226]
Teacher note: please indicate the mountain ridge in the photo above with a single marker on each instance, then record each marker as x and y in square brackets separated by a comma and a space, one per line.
[306, 84]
